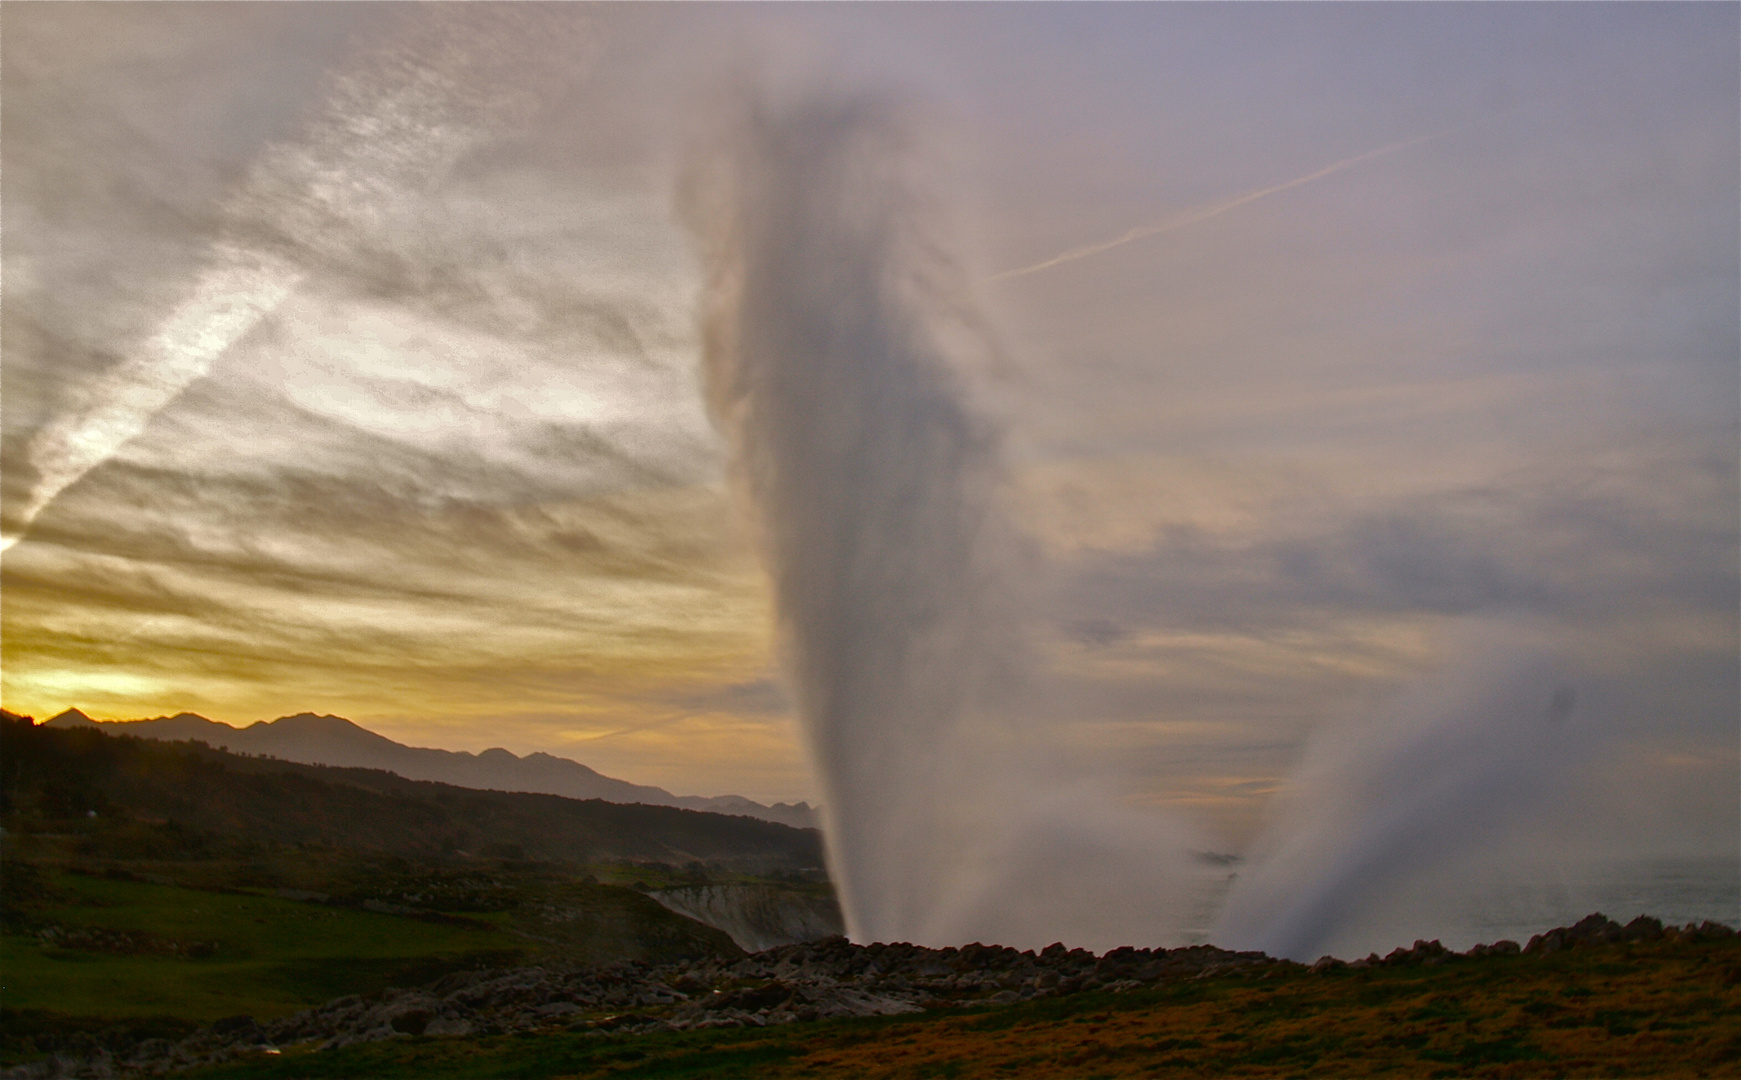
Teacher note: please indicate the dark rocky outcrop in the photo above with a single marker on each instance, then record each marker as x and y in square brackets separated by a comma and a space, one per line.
[819, 980]
[1597, 930]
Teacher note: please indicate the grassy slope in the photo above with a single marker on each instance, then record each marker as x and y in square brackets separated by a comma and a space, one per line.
[132, 958]
[162, 907]
[262, 955]
[1658, 1009]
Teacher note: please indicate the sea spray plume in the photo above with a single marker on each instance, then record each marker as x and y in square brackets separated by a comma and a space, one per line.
[392, 122]
[829, 328]
[836, 332]
[1444, 767]
[1062, 861]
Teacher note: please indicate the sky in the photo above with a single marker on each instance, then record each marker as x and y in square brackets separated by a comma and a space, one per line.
[350, 366]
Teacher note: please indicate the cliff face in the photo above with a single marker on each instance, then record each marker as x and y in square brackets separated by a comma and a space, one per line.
[757, 916]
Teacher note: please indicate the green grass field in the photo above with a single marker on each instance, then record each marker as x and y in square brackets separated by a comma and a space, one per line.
[110, 940]
[135, 949]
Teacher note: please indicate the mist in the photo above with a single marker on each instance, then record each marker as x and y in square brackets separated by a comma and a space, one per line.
[844, 353]
[840, 348]
[839, 334]
[1440, 771]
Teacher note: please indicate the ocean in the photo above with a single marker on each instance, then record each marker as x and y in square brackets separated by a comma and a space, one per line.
[1676, 890]
[1484, 908]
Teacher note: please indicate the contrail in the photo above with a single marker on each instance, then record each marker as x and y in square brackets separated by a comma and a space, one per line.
[1204, 213]
[237, 289]
[394, 120]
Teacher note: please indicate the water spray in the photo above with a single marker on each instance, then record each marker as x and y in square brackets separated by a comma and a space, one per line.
[836, 332]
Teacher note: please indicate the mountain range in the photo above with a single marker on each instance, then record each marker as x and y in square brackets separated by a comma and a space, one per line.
[116, 796]
[333, 740]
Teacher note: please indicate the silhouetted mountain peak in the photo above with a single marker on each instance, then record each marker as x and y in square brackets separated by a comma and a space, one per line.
[316, 722]
[316, 739]
[311, 726]
[181, 721]
[551, 761]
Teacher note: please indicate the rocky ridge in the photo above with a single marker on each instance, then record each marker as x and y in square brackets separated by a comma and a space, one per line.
[820, 980]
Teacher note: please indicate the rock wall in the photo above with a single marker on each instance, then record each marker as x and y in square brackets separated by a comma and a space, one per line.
[757, 916]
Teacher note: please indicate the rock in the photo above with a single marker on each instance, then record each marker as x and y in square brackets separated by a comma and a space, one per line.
[1594, 929]
[557, 1009]
[826, 979]
[1643, 928]
[757, 917]
[1423, 952]
[411, 1022]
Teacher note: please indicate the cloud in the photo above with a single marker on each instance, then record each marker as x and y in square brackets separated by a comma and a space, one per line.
[1568, 538]
[463, 476]
[1257, 612]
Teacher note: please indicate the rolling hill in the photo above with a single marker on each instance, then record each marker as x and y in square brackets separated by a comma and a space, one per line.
[73, 770]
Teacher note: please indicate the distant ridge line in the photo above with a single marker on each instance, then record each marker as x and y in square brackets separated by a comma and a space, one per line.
[333, 740]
